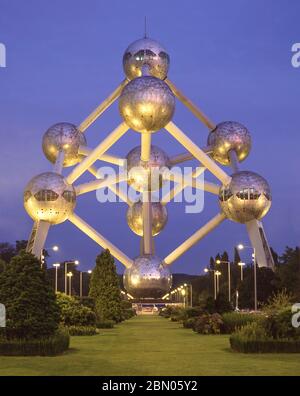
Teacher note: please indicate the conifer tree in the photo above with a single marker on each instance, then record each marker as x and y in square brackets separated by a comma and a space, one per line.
[105, 288]
[30, 301]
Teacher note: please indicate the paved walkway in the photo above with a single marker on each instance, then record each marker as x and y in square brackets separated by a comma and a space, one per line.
[151, 345]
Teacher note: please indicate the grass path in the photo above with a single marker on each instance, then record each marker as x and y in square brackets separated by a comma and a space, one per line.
[151, 345]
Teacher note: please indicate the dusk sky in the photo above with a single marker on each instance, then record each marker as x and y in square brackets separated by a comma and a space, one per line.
[232, 58]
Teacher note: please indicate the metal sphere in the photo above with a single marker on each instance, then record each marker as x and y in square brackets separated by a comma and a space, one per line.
[147, 104]
[49, 197]
[229, 135]
[63, 137]
[146, 52]
[146, 176]
[135, 217]
[246, 197]
[148, 277]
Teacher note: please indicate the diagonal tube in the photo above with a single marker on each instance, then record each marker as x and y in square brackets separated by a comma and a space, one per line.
[100, 240]
[112, 138]
[192, 240]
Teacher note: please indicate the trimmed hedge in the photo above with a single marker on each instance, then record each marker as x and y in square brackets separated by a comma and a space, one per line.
[106, 324]
[240, 344]
[82, 330]
[50, 346]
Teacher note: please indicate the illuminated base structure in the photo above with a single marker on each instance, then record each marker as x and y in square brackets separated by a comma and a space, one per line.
[147, 104]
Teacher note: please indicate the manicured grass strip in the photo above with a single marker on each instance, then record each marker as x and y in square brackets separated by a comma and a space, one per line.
[151, 345]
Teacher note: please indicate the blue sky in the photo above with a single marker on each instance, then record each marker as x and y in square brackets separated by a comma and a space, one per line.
[231, 58]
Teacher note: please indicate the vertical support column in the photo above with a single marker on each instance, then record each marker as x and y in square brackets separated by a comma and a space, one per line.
[59, 164]
[145, 146]
[259, 242]
[234, 162]
[37, 238]
[147, 222]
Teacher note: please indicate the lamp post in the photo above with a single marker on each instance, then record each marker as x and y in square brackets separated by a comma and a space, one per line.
[218, 274]
[216, 280]
[241, 265]
[76, 262]
[69, 275]
[56, 265]
[241, 247]
[55, 248]
[237, 300]
[80, 284]
[229, 276]
[190, 286]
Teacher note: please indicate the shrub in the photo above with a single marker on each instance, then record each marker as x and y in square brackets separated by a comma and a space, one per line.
[220, 305]
[208, 324]
[253, 338]
[233, 321]
[253, 331]
[72, 313]
[30, 302]
[279, 301]
[128, 313]
[82, 330]
[166, 312]
[189, 323]
[192, 312]
[279, 325]
[105, 324]
[50, 346]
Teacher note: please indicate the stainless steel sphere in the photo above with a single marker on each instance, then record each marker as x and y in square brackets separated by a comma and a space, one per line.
[246, 197]
[147, 104]
[66, 137]
[146, 176]
[229, 135]
[146, 52]
[49, 197]
[135, 217]
[147, 278]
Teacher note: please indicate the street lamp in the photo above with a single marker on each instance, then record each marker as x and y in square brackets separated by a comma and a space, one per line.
[229, 276]
[218, 274]
[56, 265]
[241, 265]
[190, 286]
[216, 280]
[69, 275]
[241, 247]
[76, 262]
[55, 248]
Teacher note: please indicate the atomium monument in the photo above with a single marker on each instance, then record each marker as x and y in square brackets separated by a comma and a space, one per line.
[147, 104]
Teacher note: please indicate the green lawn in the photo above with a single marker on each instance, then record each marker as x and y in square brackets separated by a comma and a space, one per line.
[151, 345]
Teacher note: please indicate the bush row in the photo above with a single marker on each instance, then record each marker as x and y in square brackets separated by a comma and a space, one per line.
[82, 330]
[50, 346]
[240, 344]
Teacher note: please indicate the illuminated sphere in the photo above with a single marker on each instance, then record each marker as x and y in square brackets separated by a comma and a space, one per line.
[246, 197]
[147, 104]
[229, 135]
[146, 52]
[146, 176]
[49, 197]
[135, 217]
[148, 277]
[63, 137]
